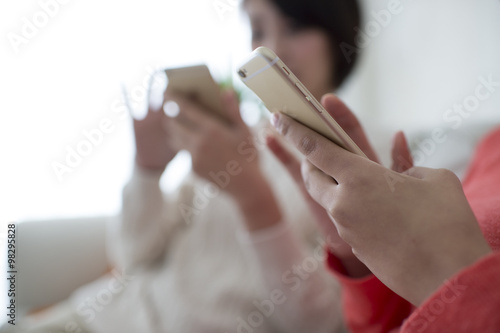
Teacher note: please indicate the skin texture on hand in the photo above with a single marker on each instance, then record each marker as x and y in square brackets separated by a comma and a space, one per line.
[413, 229]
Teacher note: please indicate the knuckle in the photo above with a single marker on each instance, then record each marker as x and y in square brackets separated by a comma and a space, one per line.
[307, 145]
[337, 211]
[447, 176]
[340, 207]
[340, 215]
[345, 235]
[305, 171]
[307, 181]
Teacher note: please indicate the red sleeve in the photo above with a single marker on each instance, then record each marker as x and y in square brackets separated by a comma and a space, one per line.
[469, 302]
[369, 306]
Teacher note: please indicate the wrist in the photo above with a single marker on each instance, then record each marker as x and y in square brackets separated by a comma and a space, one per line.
[452, 266]
[258, 205]
[147, 166]
[145, 177]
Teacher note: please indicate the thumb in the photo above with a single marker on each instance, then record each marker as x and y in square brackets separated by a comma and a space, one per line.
[290, 162]
[293, 166]
[401, 156]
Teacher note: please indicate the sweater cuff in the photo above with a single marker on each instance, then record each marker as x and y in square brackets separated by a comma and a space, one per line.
[357, 292]
[336, 267]
[367, 302]
[275, 248]
[269, 234]
[146, 172]
[142, 175]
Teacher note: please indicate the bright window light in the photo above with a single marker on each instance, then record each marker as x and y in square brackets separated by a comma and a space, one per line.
[66, 138]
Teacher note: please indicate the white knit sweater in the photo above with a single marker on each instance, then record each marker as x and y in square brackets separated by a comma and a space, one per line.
[205, 273]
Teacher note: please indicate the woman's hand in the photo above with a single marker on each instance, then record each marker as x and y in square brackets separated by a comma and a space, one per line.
[152, 141]
[348, 121]
[213, 143]
[413, 230]
[224, 153]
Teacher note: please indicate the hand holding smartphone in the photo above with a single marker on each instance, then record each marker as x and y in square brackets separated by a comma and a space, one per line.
[196, 83]
[281, 91]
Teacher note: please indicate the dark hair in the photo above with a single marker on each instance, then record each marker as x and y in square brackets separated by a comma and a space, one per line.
[337, 18]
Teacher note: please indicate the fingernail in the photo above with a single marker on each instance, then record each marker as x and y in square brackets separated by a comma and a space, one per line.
[275, 120]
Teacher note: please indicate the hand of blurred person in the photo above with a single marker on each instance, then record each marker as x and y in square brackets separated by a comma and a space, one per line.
[413, 230]
[152, 140]
[224, 153]
[347, 120]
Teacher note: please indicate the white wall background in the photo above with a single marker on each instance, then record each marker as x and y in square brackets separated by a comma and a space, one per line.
[427, 59]
[67, 78]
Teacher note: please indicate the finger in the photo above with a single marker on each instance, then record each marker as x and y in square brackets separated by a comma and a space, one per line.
[180, 135]
[289, 161]
[320, 186]
[181, 109]
[293, 166]
[156, 90]
[132, 109]
[192, 114]
[401, 156]
[349, 123]
[230, 101]
[323, 153]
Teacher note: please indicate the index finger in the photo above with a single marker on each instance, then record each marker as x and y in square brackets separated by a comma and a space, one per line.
[192, 112]
[321, 152]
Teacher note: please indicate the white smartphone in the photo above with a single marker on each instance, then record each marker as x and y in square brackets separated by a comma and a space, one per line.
[196, 83]
[281, 91]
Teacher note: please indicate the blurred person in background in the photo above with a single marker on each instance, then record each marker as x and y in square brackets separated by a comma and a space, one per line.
[243, 257]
